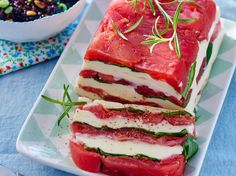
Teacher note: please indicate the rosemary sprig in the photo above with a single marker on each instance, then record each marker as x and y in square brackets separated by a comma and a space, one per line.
[134, 3]
[150, 3]
[118, 31]
[175, 35]
[189, 20]
[66, 95]
[175, 1]
[167, 17]
[66, 103]
[55, 101]
[65, 113]
[171, 2]
[157, 37]
[134, 26]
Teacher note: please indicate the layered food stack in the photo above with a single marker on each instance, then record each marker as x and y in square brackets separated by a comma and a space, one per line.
[126, 139]
[123, 69]
[146, 55]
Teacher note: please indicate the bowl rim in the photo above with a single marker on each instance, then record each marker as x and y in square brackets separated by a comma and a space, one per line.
[43, 18]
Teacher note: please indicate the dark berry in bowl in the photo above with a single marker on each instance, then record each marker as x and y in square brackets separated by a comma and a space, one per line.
[28, 10]
[35, 20]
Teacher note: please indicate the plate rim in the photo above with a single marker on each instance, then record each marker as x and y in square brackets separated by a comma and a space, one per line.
[20, 145]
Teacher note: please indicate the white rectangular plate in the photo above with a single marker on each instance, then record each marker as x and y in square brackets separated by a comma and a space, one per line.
[42, 140]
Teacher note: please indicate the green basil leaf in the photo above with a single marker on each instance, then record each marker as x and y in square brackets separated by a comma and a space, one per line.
[191, 76]
[209, 52]
[190, 148]
[135, 110]
[154, 134]
[101, 152]
[177, 134]
[147, 157]
[175, 113]
[131, 109]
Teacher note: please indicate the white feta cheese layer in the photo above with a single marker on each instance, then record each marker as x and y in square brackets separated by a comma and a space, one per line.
[121, 91]
[136, 78]
[116, 105]
[118, 122]
[129, 148]
[194, 99]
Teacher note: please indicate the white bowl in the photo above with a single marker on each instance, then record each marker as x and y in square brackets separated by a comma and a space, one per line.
[41, 28]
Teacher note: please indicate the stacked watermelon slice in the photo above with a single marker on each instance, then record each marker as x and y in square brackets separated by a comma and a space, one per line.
[137, 119]
[161, 78]
[127, 139]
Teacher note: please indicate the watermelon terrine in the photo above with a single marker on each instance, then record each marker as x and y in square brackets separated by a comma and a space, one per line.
[124, 70]
[128, 139]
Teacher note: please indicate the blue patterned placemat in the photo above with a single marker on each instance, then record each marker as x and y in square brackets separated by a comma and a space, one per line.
[16, 56]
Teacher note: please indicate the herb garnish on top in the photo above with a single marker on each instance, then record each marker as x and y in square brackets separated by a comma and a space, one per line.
[158, 36]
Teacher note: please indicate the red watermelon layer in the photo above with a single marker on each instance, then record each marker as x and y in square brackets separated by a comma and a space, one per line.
[163, 63]
[125, 166]
[146, 117]
[140, 89]
[126, 135]
[105, 96]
